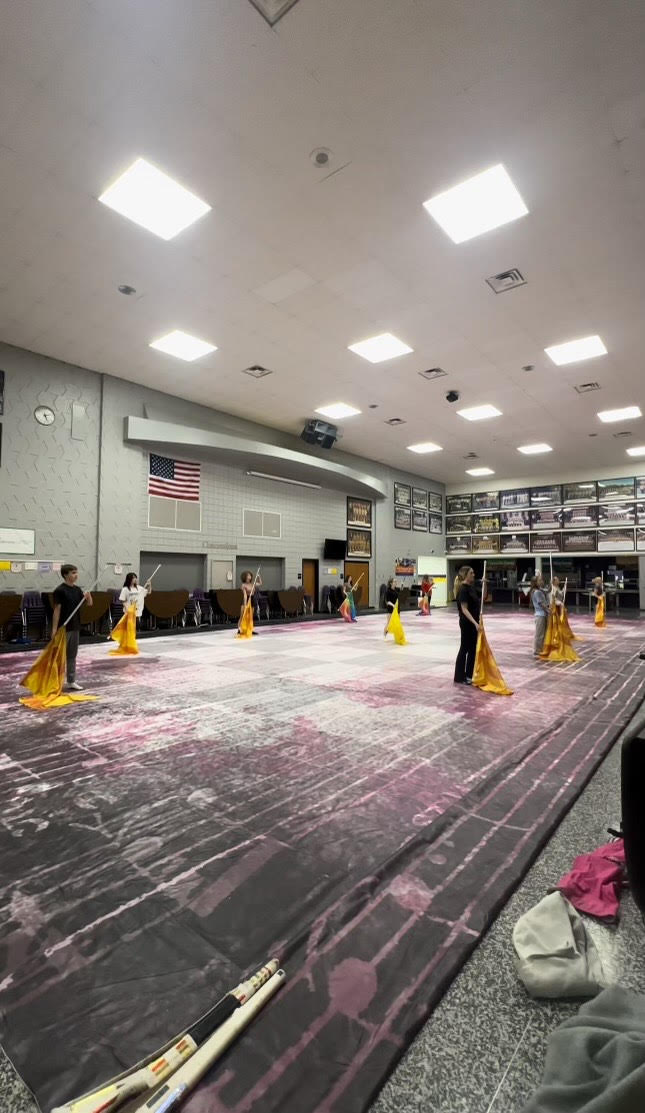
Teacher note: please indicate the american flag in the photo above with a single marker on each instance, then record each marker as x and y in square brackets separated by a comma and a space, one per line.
[173, 479]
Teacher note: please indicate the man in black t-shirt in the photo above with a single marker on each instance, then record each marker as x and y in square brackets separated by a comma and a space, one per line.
[66, 598]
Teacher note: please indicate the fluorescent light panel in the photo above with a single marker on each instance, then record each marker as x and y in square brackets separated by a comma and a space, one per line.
[182, 345]
[425, 446]
[337, 410]
[588, 347]
[638, 450]
[376, 349]
[479, 413]
[284, 479]
[477, 205]
[534, 449]
[625, 414]
[479, 471]
[151, 199]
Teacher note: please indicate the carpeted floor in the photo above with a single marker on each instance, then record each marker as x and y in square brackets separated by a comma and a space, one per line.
[315, 793]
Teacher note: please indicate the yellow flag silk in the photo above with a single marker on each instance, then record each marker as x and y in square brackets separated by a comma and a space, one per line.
[557, 644]
[565, 628]
[46, 676]
[345, 610]
[487, 675]
[246, 622]
[395, 627]
[599, 620]
[125, 633]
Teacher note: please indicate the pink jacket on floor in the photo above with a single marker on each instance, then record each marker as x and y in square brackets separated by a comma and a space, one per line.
[595, 880]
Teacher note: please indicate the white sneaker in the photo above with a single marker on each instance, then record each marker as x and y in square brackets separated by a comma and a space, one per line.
[74, 687]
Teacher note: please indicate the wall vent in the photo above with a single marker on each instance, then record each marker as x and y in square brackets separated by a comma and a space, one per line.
[584, 388]
[619, 436]
[506, 280]
[395, 421]
[256, 371]
[433, 373]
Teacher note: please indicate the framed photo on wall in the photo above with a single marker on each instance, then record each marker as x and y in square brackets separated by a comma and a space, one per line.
[580, 517]
[459, 545]
[435, 523]
[515, 543]
[547, 496]
[615, 489]
[402, 494]
[402, 517]
[486, 544]
[545, 542]
[580, 541]
[459, 504]
[486, 500]
[514, 500]
[420, 521]
[459, 523]
[640, 487]
[419, 498]
[617, 514]
[615, 540]
[359, 543]
[435, 502]
[359, 512]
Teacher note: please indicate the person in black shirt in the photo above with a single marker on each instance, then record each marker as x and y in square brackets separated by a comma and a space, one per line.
[469, 607]
[391, 599]
[66, 598]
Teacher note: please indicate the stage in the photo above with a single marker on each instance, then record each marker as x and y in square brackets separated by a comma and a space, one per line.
[316, 793]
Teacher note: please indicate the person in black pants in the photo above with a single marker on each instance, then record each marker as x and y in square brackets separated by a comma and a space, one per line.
[469, 607]
[67, 596]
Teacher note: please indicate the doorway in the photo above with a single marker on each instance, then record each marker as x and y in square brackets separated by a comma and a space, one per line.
[220, 574]
[361, 569]
[310, 580]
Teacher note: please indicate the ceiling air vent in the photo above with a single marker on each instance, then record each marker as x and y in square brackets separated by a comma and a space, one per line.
[395, 421]
[471, 456]
[273, 10]
[506, 280]
[257, 372]
[433, 373]
[619, 436]
[584, 388]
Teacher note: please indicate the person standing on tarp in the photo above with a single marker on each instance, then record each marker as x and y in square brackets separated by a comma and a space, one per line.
[541, 609]
[67, 596]
[469, 607]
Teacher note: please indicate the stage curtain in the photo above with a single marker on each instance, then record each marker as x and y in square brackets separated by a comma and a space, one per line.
[487, 675]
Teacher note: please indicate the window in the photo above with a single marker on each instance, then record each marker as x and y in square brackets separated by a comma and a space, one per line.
[261, 523]
[174, 514]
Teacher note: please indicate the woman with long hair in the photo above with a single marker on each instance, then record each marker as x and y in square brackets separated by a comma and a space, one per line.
[541, 608]
[469, 607]
[391, 599]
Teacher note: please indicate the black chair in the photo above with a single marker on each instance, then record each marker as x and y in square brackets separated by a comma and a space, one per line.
[632, 791]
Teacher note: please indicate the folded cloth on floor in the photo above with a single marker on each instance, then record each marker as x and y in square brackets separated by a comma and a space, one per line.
[555, 956]
[595, 880]
[595, 1062]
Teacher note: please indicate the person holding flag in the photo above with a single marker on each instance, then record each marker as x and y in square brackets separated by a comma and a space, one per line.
[469, 607]
[541, 610]
[601, 601]
[125, 632]
[391, 600]
[427, 585]
[67, 599]
[348, 606]
[248, 585]
[486, 675]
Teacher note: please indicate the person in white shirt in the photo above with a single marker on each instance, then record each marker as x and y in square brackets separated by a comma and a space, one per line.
[131, 593]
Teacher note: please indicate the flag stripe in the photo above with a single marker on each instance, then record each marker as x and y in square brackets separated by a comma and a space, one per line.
[175, 479]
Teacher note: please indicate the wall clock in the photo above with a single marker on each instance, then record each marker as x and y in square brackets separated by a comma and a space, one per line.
[44, 415]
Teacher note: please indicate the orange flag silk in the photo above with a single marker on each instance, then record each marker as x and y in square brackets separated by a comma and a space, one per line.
[46, 677]
[487, 675]
[125, 633]
[246, 622]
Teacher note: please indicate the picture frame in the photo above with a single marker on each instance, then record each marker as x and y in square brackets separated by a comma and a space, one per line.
[548, 495]
[486, 500]
[617, 514]
[582, 516]
[359, 544]
[420, 521]
[419, 498]
[459, 545]
[615, 541]
[486, 523]
[403, 517]
[517, 499]
[548, 542]
[610, 489]
[435, 523]
[359, 512]
[514, 521]
[579, 541]
[459, 523]
[546, 519]
[402, 494]
[485, 543]
[579, 492]
[515, 543]
[435, 502]
[459, 504]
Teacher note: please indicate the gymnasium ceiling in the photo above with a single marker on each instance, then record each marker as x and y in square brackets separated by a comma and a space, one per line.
[295, 263]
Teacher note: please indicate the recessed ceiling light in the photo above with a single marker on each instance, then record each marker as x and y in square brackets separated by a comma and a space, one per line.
[477, 205]
[534, 449]
[479, 471]
[637, 450]
[379, 348]
[337, 410]
[425, 446]
[182, 345]
[152, 199]
[575, 350]
[478, 413]
[625, 414]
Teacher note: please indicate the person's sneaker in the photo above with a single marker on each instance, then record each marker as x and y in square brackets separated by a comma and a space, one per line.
[74, 687]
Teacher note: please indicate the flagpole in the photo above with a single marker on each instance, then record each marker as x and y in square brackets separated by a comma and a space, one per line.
[481, 609]
[77, 608]
[564, 593]
[149, 580]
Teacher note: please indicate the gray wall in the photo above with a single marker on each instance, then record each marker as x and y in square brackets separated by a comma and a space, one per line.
[75, 493]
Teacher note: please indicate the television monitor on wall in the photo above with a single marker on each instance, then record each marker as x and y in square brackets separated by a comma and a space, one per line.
[334, 549]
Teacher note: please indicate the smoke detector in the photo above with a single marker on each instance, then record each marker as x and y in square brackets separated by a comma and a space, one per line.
[321, 157]
[395, 421]
[433, 373]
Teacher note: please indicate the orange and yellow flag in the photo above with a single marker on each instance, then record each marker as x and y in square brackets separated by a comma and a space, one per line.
[46, 677]
[487, 675]
[395, 626]
[600, 620]
[125, 633]
[557, 645]
[246, 622]
[565, 628]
